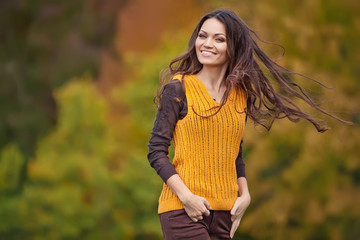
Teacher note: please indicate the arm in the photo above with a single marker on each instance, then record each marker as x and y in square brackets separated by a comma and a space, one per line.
[240, 165]
[162, 132]
[243, 201]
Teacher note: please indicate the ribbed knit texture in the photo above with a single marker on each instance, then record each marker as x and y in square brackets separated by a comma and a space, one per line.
[206, 148]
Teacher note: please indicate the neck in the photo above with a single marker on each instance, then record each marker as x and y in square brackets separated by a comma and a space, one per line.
[212, 77]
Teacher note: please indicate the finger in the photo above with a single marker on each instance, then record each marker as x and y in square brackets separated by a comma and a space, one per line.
[238, 214]
[234, 227]
[194, 219]
[234, 218]
[234, 208]
[207, 204]
[232, 231]
[207, 213]
[200, 217]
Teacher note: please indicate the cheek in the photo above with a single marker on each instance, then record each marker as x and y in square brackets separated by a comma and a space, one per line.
[225, 54]
[197, 44]
[224, 50]
[197, 50]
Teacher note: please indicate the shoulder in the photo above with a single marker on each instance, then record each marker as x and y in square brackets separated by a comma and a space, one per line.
[177, 77]
[241, 97]
[175, 87]
[182, 77]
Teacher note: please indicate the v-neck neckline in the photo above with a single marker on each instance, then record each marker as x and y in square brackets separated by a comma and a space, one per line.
[207, 94]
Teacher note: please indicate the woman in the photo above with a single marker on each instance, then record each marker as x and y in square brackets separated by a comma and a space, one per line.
[215, 86]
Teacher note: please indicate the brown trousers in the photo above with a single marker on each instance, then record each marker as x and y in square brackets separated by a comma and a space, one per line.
[177, 225]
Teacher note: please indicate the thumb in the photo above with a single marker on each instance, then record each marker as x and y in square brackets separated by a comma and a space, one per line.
[233, 210]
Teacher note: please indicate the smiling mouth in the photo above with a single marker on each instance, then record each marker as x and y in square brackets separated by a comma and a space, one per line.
[207, 52]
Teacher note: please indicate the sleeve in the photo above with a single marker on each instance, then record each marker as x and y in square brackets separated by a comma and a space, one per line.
[240, 165]
[162, 132]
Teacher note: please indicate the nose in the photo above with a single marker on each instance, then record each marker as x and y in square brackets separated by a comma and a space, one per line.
[208, 43]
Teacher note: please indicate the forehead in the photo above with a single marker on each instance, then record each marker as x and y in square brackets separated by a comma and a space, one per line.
[213, 26]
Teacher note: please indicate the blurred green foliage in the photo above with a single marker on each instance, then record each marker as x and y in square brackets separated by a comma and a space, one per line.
[72, 192]
[11, 162]
[43, 45]
[73, 160]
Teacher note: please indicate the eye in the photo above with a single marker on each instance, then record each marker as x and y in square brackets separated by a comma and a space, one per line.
[202, 35]
[220, 39]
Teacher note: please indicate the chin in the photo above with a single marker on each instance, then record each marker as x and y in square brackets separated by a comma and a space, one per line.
[207, 61]
[211, 63]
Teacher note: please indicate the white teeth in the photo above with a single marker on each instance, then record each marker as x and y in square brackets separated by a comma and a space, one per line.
[206, 52]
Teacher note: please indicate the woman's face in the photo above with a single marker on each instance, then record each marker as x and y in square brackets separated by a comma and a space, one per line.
[211, 44]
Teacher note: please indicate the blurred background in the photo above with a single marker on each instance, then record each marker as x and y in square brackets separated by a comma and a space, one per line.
[77, 79]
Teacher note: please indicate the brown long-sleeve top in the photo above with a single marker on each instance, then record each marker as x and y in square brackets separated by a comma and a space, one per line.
[162, 133]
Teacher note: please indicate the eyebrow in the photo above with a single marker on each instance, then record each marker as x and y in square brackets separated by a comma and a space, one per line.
[215, 33]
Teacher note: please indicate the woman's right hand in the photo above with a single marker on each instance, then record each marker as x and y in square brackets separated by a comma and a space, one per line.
[196, 206]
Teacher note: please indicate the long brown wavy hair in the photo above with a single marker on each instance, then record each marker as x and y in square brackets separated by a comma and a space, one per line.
[264, 104]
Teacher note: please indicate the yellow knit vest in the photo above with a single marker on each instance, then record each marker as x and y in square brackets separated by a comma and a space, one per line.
[206, 148]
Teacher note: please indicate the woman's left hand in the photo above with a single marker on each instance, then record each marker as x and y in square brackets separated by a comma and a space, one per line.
[238, 211]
